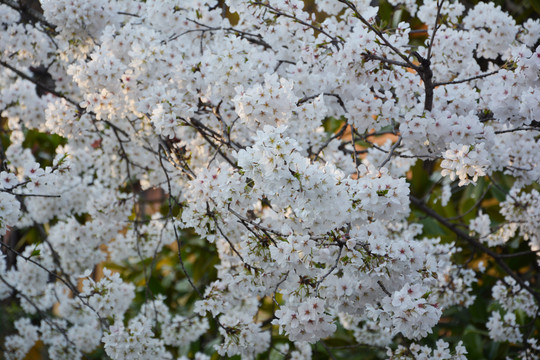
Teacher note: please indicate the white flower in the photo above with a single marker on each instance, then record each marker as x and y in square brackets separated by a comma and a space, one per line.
[465, 161]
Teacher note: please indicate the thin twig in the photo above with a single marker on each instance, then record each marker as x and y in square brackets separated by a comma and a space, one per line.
[38, 84]
[44, 316]
[437, 26]
[331, 270]
[472, 207]
[379, 282]
[29, 259]
[333, 137]
[474, 243]
[370, 57]
[330, 354]
[232, 245]
[354, 152]
[33, 14]
[335, 41]
[391, 152]
[377, 32]
[177, 237]
[467, 79]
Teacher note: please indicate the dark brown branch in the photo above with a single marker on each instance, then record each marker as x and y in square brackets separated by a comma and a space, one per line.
[522, 253]
[195, 124]
[38, 84]
[370, 57]
[391, 152]
[480, 199]
[437, 26]
[517, 129]
[327, 349]
[311, 97]
[425, 72]
[379, 282]
[36, 195]
[127, 13]
[29, 259]
[331, 270]
[27, 12]
[475, 244]
[353, 142]
[467, 79]
[232, 245]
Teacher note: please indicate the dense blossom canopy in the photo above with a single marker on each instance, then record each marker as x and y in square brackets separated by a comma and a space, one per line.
[348, 178]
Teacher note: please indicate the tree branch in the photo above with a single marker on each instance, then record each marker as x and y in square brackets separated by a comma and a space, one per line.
[475, 244]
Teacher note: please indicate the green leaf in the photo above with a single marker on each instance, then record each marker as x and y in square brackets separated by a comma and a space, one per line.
[43, 145]
[419, 180]
[431, 227]
[332, 124]
[497, 193]
[473, 342]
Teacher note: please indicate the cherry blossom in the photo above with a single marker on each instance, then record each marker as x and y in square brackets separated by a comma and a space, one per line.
[192, 179]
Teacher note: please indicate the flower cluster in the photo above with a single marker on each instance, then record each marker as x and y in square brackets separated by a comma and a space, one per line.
[408, 311]
[442, 351]
[136, 340]
[9, 211]
[522, 211]
[17, 346]
[465, 162]
[306, 321]
[110, 296]
[513, 300]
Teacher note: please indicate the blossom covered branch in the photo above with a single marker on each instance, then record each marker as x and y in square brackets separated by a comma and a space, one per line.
[267, 178]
